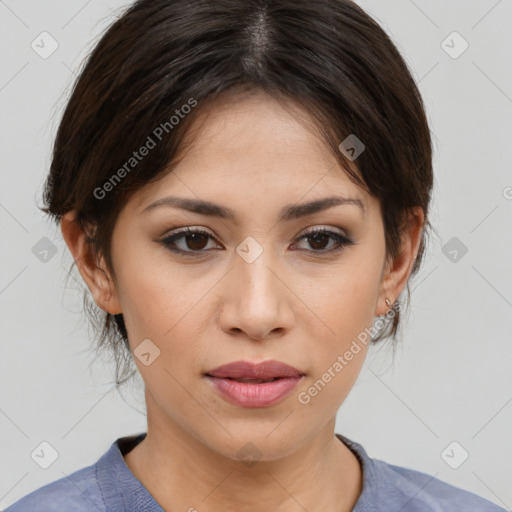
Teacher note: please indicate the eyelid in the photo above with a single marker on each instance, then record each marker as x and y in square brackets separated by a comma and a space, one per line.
[320, 227]
[186, 229]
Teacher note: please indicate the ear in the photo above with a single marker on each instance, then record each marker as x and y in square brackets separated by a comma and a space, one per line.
[96, 277]
[396, 272]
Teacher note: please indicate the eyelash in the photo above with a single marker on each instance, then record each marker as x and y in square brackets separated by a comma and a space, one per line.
[170, 240]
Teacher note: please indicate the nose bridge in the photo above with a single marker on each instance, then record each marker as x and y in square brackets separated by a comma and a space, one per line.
[258, 301]
[253, 274]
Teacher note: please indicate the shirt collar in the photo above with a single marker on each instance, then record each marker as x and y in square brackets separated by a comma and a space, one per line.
[366, 501]
[122, 491]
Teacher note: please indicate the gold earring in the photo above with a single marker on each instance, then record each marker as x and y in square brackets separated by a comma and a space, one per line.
[388, 303]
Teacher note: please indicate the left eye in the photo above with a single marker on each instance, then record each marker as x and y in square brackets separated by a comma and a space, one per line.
[317, 238]
[195, 241]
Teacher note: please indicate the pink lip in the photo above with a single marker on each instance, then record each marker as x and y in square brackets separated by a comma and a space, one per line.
[264, 370]
[247, 394]
[254, 395]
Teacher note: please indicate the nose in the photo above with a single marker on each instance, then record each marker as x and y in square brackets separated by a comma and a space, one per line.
[257, 299]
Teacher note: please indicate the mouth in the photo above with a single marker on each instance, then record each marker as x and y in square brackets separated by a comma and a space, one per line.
[249, 384]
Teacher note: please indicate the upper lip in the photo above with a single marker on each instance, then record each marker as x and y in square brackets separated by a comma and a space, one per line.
[247, 370]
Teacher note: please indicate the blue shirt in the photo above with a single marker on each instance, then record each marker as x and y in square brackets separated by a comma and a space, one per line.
[110, 486]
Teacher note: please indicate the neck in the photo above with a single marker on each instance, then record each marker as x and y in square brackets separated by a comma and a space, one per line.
[183, 473]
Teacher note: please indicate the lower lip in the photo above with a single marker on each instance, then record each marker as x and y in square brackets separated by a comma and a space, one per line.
[254, 395]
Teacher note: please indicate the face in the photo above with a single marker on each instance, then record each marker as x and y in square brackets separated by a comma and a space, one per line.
[250, 287]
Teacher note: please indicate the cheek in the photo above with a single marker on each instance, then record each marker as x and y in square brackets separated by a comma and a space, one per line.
[345, 301]
[359, 286]
[151, 296]
[335, 369]
[164, 307]
[340, 344]
[344, 307]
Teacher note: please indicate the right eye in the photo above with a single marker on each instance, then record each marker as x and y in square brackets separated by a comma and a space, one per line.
[193, 241]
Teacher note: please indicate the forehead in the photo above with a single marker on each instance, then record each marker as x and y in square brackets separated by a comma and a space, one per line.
[255, 127]
[252, 148]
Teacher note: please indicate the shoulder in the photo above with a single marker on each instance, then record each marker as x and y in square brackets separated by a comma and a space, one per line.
[390, 487]
[416, 491]
[77, 492]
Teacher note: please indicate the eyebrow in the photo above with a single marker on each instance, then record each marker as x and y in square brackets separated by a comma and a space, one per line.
[289, 212]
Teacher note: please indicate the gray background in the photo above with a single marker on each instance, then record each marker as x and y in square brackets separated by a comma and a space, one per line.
[451, 378]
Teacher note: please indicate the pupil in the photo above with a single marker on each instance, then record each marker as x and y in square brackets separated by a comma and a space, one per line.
[195, 238]
[315, 238]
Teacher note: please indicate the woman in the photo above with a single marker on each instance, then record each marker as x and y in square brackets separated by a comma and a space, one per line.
[244, 186]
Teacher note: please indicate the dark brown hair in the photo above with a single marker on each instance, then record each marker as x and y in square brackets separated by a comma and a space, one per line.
[328, 56]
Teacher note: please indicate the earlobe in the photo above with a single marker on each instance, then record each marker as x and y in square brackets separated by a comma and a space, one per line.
[96, 278]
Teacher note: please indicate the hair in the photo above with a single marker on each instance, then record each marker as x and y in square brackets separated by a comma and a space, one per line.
[163, 61]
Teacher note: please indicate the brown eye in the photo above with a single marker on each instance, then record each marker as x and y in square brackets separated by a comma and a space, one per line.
[196, 241]
[318, 240]
[188, 241]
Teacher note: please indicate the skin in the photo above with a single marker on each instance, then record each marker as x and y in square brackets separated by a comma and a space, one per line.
[291, 304]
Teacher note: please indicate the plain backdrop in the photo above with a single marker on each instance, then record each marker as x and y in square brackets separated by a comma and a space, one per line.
[450, 381]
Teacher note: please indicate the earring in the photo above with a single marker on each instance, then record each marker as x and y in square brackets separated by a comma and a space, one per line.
[388, 303]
